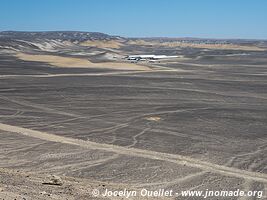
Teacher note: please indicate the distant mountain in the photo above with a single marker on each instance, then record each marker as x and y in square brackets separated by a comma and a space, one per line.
[57, 35]
[54, 41]
[83, 36]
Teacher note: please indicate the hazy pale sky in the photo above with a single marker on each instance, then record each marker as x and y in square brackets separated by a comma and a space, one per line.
[140, 18]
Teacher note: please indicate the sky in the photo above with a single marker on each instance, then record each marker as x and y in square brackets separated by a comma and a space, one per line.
[246, 19]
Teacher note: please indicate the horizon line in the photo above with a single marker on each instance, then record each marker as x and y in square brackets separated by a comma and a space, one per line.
[137, 37]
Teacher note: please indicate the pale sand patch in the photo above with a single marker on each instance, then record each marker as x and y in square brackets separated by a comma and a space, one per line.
[153, 119]
[70, 62]
[102, 44]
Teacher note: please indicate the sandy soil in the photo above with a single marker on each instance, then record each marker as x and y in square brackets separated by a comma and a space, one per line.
[69, 62]
[102, 44]
[184, 125]
[17, 184]
[140, 153]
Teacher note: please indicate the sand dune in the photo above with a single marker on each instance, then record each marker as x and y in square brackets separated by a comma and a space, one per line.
[71, 62]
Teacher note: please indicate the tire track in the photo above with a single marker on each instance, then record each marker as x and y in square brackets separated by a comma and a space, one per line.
[174, 158]
[87, 74]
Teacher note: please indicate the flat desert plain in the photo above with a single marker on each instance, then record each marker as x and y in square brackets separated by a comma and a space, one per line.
[198, 122]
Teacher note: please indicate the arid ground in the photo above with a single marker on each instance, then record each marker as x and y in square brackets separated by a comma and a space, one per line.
[77, 110]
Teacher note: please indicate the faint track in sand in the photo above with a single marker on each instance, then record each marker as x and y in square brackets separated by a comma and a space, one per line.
[87, 74]
[37, 106]
[174, 158]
